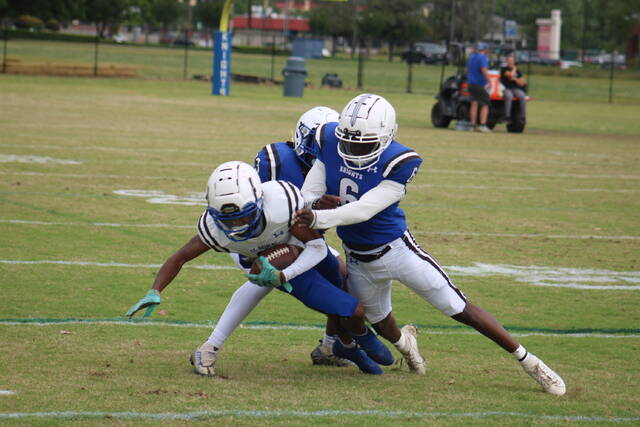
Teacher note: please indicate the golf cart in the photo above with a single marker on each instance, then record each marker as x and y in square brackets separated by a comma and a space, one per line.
[454, 104]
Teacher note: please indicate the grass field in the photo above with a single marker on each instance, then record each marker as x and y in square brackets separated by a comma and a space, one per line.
[102, 179]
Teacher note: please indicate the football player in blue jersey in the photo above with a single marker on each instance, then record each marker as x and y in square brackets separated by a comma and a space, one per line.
[245, 216]
[362, 172]
[290, 161]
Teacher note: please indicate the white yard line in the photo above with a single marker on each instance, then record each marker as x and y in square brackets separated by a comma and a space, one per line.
[413, 185]
[557, 277]
[211, 325]
[113, 264]
[309, 415]
[532, 174]
[85, 176]
[418, 233]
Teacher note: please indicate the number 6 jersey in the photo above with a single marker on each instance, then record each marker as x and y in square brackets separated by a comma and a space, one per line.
[397, 163]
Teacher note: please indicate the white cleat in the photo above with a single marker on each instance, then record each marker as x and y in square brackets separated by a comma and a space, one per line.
[204, 359]
[410, 351]
[550, 381]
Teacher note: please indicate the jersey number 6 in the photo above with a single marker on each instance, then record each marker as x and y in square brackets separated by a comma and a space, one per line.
[348, 190]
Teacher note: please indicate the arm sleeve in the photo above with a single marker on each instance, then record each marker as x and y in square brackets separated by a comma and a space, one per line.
[314, 252]
[373, 201]
[314, 184]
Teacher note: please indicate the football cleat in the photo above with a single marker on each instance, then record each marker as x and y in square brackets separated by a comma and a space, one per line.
[357, 356]
[550, 381]
[323, 355]
[411, 352]
[203, 360]
[374, 348]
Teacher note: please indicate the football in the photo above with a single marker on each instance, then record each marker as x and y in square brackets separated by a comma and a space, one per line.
[280, 256]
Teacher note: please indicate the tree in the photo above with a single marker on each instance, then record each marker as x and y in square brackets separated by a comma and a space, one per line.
[61, 10]
[207, 13]
[334, 20]
[165, 13]
[399, 21]
[105, 13]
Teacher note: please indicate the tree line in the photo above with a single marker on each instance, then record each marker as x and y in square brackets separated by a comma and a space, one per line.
[597, 24]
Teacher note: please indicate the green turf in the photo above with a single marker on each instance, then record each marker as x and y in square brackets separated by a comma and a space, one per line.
[563, 195]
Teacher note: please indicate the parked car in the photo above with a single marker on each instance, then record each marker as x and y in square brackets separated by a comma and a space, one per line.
[565, 64]
[426, 53]
[182, 41]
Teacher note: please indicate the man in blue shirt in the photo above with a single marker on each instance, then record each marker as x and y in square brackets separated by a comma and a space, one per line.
[477, 78]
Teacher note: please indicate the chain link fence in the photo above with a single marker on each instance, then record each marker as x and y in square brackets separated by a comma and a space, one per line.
[604, 78]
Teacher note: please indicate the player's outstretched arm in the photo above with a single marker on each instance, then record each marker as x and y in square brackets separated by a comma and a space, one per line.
[169, 270]
[372, 202]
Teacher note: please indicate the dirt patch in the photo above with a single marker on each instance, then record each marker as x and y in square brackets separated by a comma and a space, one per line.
[16, 66]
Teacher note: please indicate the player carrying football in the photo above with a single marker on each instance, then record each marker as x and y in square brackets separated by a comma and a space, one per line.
[246, 217]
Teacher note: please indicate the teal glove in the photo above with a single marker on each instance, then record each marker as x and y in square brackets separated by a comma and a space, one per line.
[269, 276]
[150, 300]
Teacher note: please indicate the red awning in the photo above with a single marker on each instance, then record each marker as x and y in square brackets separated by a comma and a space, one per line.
[257, 23]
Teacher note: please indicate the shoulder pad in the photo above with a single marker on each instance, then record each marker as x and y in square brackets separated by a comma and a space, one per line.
[396, 162]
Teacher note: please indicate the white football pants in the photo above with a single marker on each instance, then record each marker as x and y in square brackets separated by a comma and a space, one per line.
[408, 263]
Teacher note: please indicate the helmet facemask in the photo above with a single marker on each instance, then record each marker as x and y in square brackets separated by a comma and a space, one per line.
[303, 139]
[305, 148]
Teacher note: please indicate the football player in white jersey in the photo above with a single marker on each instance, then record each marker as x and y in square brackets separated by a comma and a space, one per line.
[246, 217]
[362, 171]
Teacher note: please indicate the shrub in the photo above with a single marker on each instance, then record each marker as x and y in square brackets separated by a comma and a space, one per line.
[28, 22]
[52, 25]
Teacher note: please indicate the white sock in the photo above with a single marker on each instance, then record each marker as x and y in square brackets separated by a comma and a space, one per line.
[520, 354]
[244, 299]
[401, 343]
[351, 345]
[328, 340]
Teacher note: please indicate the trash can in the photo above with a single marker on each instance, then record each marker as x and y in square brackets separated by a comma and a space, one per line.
[294, 74]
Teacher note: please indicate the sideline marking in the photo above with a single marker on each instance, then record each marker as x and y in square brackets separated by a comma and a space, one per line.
[263, 325]
[418, 233]
[306, 414]
[115, 264]
[12, 158]
[515, 188]
[533, 174]
[557, 277]
[82, 175]
[7, 392]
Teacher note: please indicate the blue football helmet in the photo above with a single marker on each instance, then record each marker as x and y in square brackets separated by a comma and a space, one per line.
[304, 145]
[235, 200]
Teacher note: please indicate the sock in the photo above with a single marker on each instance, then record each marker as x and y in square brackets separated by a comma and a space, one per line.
[328, 340]
[520, 354]
[401, 343]
[351, 345]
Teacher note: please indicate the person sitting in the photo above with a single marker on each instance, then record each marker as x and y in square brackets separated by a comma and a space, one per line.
[514, 86]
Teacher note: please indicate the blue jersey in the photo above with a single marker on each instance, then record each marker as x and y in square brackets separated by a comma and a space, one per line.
[475, 63]
[278, 161]
[397, 163]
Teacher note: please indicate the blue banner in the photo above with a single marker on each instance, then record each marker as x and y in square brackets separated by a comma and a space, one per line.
[221, 63]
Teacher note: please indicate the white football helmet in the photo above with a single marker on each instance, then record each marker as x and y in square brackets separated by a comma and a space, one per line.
[304, 145]
[366, 127]
[235, 201]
